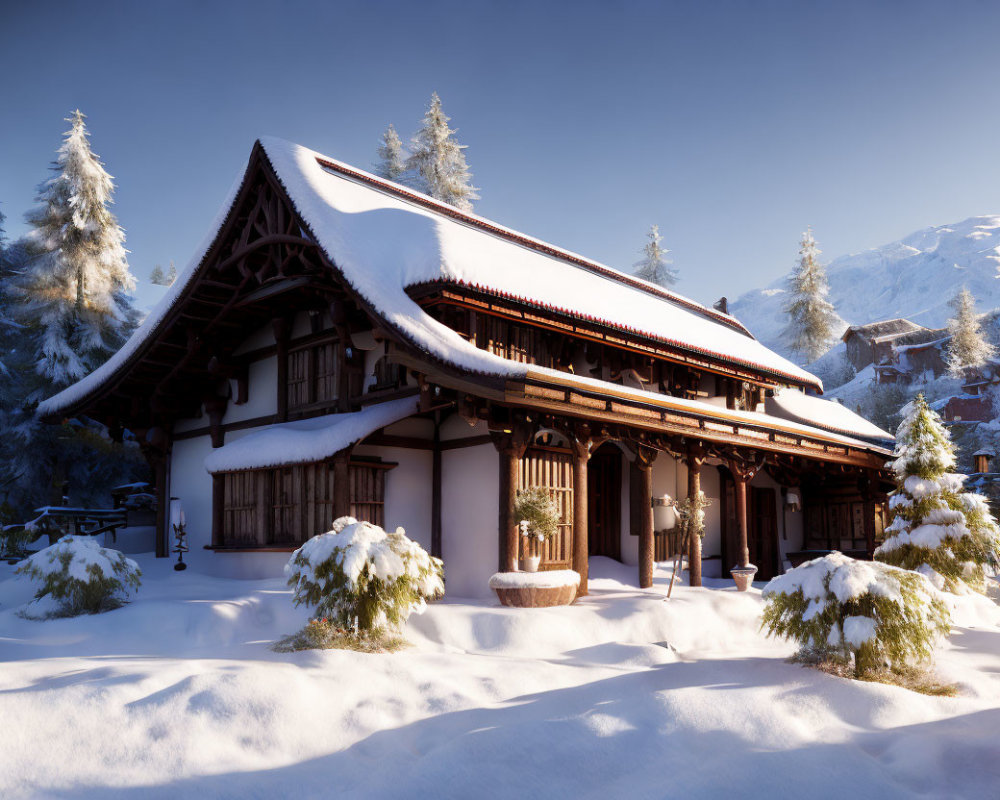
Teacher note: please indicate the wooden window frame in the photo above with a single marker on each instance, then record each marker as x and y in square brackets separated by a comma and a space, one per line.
[263, 522]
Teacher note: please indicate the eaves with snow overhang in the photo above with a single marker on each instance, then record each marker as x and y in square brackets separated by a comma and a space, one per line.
[384, 239]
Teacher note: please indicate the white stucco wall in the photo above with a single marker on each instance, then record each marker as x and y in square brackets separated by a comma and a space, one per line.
[262, 393]
[407, 490]
[469, 515]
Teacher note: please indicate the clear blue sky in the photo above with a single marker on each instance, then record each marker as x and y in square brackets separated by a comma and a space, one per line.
[732, 125]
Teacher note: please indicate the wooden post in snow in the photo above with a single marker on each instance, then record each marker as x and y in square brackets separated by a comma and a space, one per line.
[510, 442]
[644, 458]
[581, 545]
[694, 458]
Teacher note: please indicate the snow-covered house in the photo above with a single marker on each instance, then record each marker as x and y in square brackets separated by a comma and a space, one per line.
[341, 344]
[898, 349]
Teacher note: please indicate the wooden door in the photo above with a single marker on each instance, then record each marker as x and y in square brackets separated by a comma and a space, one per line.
[604, 503]
[763, 534]
[552, 468]
[730, 530]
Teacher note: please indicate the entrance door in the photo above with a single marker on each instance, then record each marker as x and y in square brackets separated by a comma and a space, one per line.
[763, 542]
[604, 502]
[762, 527]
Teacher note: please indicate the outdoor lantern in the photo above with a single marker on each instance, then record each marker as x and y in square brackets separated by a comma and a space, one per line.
[792, 500]
[664, 513]
[176, 513]
[180, 534]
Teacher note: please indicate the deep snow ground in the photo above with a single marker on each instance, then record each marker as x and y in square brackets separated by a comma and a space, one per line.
[178, 695]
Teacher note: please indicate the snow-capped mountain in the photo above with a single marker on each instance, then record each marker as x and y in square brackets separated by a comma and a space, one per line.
[914, 278]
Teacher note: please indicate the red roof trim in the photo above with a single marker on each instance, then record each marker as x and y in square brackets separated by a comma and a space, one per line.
[532, 243]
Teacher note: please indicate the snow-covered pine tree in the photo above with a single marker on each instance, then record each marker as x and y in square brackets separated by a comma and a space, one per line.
[654, 266]
[74, 293]
[968, 347]
[391, 162]
[157, 277]
[438, 163]
[171, 275]
[812, 318]
[936, 529]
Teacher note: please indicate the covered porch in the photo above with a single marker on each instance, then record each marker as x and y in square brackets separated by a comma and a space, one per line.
[772, 502]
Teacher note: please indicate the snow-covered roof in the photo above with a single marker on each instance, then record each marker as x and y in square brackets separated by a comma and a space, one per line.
[986, 451]
[885, 328]
[814, 411]
[385, 239]
[308, 440]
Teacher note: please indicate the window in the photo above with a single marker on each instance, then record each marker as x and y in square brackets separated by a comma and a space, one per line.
[313, 372]
[284, 507]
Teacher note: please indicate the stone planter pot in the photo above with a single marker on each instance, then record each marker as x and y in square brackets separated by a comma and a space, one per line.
[530, 563]
[536, 596]
[743, 576]
[538, 590]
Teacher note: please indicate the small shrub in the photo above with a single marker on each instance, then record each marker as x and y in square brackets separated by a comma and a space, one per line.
[321, 634]
[81, 576]
[364, 579]
[836, 607]
[537, 513]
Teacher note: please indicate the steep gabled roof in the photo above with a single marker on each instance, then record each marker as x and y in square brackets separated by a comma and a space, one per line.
[887, 328]
[385, 239]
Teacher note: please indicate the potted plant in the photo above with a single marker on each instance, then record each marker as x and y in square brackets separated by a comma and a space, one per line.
[539, 521]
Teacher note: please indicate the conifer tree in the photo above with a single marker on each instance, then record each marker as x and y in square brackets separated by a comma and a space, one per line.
[157, 277]
[69, 280]
[438, 163]
[171, 275]
[812, 318]
[968, 347]
[391, 163]
[936, 529]
[74, 292]
[654, 266]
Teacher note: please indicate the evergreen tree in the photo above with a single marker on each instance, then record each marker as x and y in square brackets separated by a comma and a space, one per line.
[438, 163]
[171, 275]
[74, 291]
[157, 277]
[391, 163]
[4, 305]
[812, 319]
[968, 347]
[654, 265]
[68, 294]
[936, 529]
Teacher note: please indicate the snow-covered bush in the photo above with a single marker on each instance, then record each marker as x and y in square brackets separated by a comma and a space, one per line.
[362, 578]
[936, 529]
[837, 607]
[81, 576]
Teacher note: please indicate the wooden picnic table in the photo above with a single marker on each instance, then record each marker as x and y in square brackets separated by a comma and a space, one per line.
[84, 521]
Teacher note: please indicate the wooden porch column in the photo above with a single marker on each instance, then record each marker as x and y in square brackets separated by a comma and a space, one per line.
[510, 444]
[154, 444]
[342, 483]
[218, 509]
[581, 543]
[645, 456]
[741, 520]
[436, 544]
[743, 473]
[694, 459]
[867, 487]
